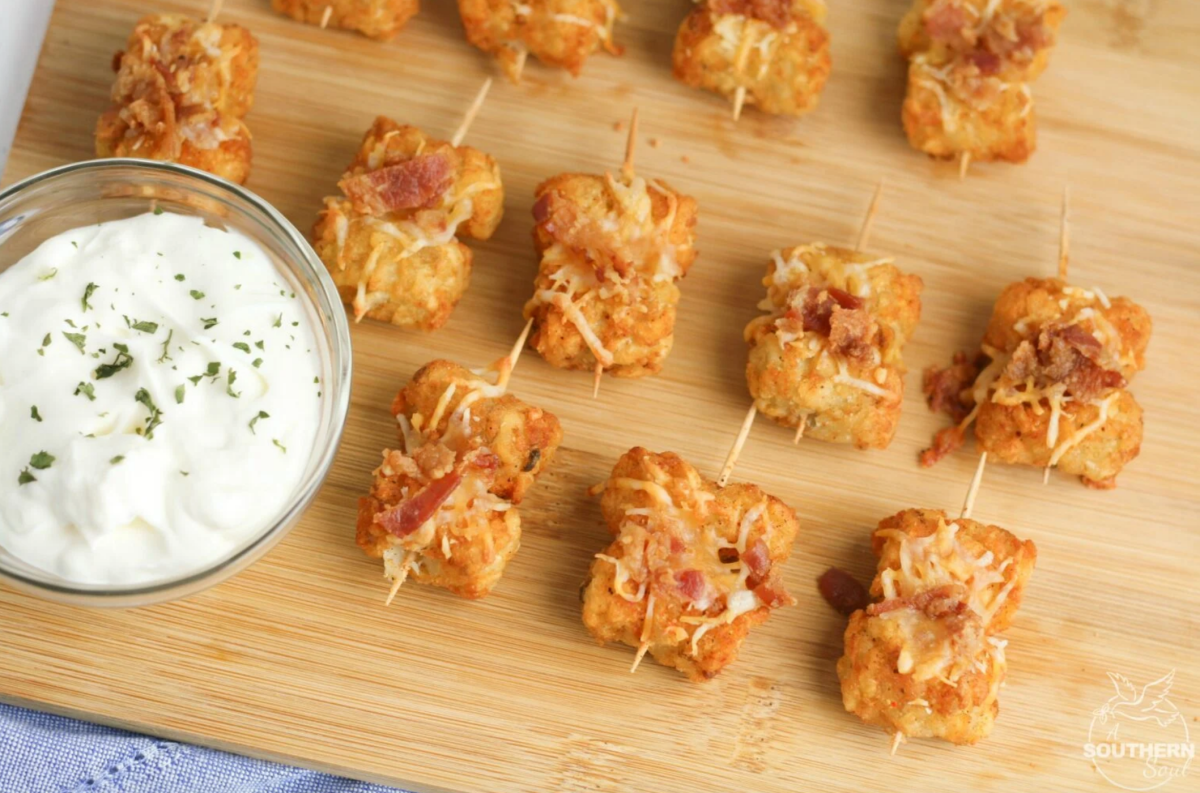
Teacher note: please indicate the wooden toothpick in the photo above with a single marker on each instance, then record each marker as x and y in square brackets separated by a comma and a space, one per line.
[799, 431]
[736, 450]
[325, 15]
[973, 490]
[739, 100]
[864, 232]
[964, 162]
[214, 10]
[1064, 237]
[506, 364]
[472, 111]
[630, 146]
[596, 375]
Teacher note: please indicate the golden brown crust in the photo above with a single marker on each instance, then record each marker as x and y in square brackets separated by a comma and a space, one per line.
[377, 19]
[951, 109]
[559, 33]
[670, 552]
[616, 279]
[181, 90]
[777, 52]
[523, 437]
[971, 63]
[796, 371]
[405, 265]
[926, 660]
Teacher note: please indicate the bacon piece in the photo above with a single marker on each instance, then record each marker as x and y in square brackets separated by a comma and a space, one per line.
[409, 515]
[941, 601]
[944, 388]
[772, 595]
[412, 184]
[1070, 355]
[758, 559]
[946, 441]
[727, 555]
[776, 13]
[946, 22]
[816, 310]
[560, 219]
[842, 591]
[851, 332]
[691, 584]
[987, 62]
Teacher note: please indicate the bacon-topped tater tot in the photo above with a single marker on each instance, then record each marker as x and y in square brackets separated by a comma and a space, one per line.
[1050, 386]
[377, 19]
[181, 92]
[692, 566]
[926, 660]
[970, 65]
[774, 52]
[390, 240]
[442, 510]
[559, 33]
[612, 248]
[828, 354]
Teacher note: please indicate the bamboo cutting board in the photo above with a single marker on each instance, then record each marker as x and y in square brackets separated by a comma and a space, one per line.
[297, 659]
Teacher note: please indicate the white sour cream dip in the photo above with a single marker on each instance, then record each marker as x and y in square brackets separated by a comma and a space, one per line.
[159, 399]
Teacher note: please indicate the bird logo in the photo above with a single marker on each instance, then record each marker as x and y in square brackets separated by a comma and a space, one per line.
[1130, 704]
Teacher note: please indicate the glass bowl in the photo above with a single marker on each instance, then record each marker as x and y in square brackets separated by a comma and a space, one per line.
[100, 190]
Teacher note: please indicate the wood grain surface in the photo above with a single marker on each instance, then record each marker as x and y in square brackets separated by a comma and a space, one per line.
[297, 658]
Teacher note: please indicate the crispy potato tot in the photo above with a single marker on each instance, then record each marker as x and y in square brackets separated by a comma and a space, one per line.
[389, 240]
[776, 51]
[559, 33]
[828, 354]
[612, 251]
[377, 19]
[926, 660]
[181, 91]
[971, 63]
[692, 566]
[524, 438]
[1051, 387]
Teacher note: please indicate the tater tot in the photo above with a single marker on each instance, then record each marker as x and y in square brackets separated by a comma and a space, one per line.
[559, 33]
[775, 51]
[612, 251]
[181, 91]
[1051, 388]
[692, 566]
[828, 355]
[377, 19]
[926, 659]
[389, 240]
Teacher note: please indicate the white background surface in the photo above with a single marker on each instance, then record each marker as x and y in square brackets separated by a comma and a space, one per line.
[22, 28]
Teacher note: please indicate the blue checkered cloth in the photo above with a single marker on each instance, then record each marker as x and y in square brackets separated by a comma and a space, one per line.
[40, 753]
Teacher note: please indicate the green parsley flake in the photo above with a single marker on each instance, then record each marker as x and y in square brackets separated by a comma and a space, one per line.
[280, 445]
[48, 275]
[166, 354]
[257, 363]
[116, 459]
[42, 460]
[237, 254]
[143, 397]
[88, 390]
[229, 384]
[196, 294]
[278, 321]
[26, 477]
[78, 339]
[209, 322]
[123, 361]
[178, 276]
[179, 393]
[87, 293]
[243, 346]
[262, 414]
[33, 414]
[158, 210]
[146, 327]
